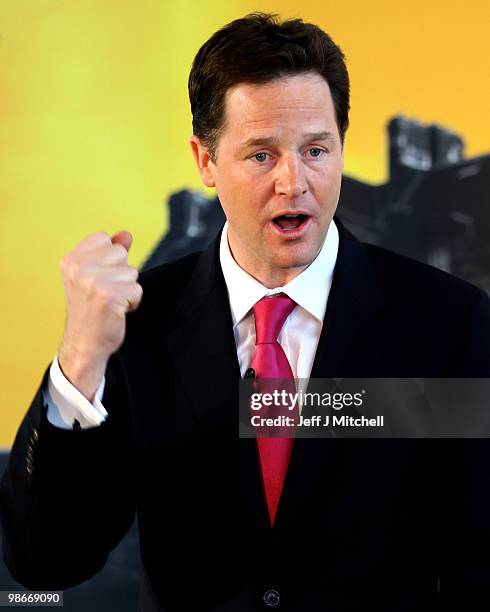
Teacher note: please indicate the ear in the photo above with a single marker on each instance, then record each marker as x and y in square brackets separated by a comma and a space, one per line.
[203, 161]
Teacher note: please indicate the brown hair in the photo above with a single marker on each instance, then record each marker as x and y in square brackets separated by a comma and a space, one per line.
[257, 49]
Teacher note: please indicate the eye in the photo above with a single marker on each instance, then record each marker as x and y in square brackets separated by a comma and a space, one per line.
[315, 151]
[260, 157]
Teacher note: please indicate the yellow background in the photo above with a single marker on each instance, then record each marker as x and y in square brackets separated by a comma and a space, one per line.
[94, 127]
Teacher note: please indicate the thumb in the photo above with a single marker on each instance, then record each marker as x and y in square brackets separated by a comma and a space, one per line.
[124, 238]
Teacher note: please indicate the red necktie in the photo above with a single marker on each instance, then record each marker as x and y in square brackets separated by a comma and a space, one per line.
[270, 361]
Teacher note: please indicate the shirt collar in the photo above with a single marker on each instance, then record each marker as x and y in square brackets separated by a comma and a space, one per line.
[309, 289]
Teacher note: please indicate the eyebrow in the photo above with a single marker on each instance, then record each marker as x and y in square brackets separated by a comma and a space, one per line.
[310, 136]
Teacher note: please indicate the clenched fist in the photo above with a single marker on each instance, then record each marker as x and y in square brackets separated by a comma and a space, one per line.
[100, 289]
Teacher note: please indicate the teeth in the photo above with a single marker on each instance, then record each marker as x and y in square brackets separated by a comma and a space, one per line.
[291, 216]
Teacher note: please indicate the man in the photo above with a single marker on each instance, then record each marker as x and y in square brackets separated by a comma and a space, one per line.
[139, 412]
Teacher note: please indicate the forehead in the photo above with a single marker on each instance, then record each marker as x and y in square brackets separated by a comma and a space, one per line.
[300, 102]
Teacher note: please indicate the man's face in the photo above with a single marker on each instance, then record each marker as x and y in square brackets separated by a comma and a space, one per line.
[279, 154]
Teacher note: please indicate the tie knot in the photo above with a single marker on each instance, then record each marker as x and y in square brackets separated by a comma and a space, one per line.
[270, 313]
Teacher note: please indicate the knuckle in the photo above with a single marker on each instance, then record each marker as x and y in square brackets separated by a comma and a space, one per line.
[73, 269]
[93, 241]
[101, 237]
[66, 261]
[134, 272]
[136, 292]
[63, 263]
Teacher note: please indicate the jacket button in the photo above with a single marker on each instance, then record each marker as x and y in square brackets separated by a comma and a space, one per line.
[271, 598]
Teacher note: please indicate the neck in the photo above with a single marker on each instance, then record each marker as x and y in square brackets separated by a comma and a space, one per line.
[267, 275]
[275, 277]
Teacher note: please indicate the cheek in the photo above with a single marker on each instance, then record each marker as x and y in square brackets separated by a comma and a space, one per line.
[332, 182]
[238, 210]
[232, 189]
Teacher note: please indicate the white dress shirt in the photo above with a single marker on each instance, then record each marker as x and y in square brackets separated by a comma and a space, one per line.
[299, 335]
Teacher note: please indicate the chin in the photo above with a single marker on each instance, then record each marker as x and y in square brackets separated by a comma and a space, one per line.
[296, 257]
[292, 263]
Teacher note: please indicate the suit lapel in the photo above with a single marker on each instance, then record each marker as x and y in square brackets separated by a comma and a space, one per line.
[354, 298]
[201, 344]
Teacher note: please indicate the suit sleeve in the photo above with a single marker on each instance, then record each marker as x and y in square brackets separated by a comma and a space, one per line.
[465, 509]
[67, 496]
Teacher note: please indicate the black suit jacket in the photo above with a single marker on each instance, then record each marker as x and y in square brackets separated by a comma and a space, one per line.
[363, 524]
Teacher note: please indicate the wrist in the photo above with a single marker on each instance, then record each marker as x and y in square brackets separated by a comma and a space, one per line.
[84, 370]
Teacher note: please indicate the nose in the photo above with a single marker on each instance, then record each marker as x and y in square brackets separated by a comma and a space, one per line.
[290, 180]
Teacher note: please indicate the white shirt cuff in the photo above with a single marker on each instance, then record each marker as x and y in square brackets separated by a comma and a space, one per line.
[66, 404]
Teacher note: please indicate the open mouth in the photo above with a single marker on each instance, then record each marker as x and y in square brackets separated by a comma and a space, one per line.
[290, 222]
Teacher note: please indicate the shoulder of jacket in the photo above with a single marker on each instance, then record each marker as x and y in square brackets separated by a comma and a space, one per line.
[176, 271]
[396, 269]
[162, 286]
